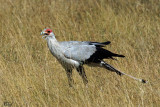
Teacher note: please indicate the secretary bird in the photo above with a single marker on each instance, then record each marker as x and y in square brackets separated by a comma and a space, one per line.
[74, 54]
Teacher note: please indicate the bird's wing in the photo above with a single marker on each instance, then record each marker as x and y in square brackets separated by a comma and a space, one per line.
[67, 44]
[99, 44]
[79, 52]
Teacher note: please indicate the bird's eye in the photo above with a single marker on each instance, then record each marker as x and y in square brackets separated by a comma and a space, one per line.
[48, 31]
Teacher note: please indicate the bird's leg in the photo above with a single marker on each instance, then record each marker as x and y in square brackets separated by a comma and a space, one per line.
[109, 67]
[69, 75]
[82, 73]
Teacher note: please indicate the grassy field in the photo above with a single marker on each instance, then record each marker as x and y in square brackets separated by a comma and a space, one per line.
[31, 77]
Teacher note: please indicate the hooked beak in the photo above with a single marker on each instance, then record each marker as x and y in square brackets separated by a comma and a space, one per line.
[42, 33]
[45, 34]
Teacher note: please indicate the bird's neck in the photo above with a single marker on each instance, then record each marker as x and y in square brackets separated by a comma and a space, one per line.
[52, 41]
[53, 46]
[51, 38]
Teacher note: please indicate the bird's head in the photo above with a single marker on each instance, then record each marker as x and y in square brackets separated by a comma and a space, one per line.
[47, 32]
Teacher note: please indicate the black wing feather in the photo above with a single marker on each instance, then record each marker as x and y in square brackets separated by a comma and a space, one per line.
[101, 54]
[99, 44]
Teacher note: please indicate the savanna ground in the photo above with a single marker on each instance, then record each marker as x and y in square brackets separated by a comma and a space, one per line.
[31, 77]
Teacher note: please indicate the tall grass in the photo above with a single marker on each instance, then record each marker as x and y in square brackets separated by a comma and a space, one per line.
[31, 76]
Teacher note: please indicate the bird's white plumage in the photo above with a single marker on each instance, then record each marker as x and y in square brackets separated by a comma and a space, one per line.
[58, 52]
[79, 52]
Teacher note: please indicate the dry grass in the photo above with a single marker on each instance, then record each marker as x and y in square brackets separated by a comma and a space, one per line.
[31, 76]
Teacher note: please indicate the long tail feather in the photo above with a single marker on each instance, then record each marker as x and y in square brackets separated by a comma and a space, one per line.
[109, 67]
